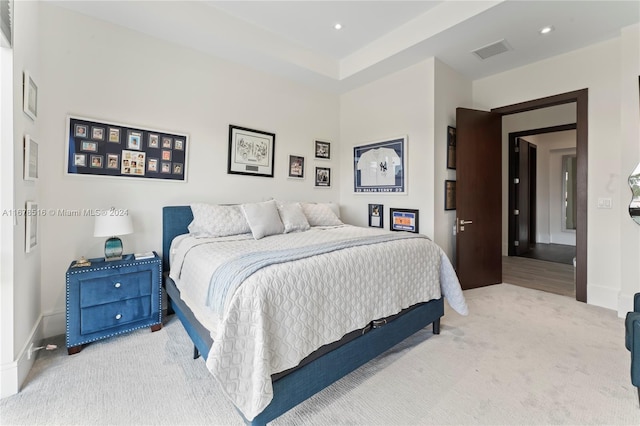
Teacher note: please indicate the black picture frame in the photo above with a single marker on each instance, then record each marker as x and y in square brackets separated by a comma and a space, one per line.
[296, 167]
[451, 148]
[376, 215]
[449, 194]
[323, 177]
[322, 150]
[406, 220]
[251, 152]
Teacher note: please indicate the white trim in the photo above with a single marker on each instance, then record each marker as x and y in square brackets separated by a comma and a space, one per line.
[13, 374]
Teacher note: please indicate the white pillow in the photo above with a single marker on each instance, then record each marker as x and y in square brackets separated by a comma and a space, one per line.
[292, 217]
[321, 214]
[263, 219]
[211, 220]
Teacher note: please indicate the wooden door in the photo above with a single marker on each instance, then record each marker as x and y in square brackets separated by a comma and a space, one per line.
[478, 198]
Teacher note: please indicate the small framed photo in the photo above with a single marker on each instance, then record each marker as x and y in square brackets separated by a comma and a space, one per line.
[323, 177]
[178, 144]
[166, 167]
[296, 166]
[89, 146]
[451, 147]
[404, 220]
[376, 218]
[166, 155]
[134, 140]
[30, 158]
[153, 141]
[81, 131]
[114, 134]
[251, 152]
[152, 165]
[166, 143]
[113, 161]
[449, 194]
[96, 161]
[97, 133]
[31, 226]
[323, 150]
[177, 168]
[30, 96]
[80, 160]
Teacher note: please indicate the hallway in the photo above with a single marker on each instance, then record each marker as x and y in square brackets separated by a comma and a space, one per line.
[541, 275]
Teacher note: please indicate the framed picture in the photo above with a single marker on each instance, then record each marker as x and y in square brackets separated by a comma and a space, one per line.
[323, 150]
[152, 165]
[449, 194]
[153, 141]
[166, 143]
[30, 158]
[80, 160]
[89, 146]
[380, 167]
[81, 131]
[404, 220]
[30, 96]
[296, 167]
[376, 218]
[134, 140]
[114, 134]
[323, 177]
[97, 133]
[451, 147]
[113, 161]
[166, 167]
[31, 226]
[117, 150]
[251, 152]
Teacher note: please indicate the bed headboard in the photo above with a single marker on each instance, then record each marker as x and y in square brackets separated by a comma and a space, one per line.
[175, 221]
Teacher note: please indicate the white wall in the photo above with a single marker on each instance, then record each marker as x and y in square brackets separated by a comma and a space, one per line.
[95, 69]
[20, 270]
[600, 69]
[397, 105]
[452, 90]
[551, 147]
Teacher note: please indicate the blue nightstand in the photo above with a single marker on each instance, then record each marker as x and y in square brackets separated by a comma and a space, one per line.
[111, 298]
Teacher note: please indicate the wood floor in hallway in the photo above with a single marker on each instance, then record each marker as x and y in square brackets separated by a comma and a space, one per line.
[541, 275]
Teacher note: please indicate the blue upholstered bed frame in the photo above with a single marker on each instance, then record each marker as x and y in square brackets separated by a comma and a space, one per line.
[291, 389]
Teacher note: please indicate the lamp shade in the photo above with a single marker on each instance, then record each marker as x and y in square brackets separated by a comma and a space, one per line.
[108, 225]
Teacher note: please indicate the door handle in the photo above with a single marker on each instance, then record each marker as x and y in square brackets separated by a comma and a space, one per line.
[465, 222]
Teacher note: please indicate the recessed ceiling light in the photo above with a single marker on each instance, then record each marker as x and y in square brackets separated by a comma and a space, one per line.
[547, 29]
[338, 26]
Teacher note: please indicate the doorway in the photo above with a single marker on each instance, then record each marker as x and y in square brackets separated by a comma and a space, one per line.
[580, 97]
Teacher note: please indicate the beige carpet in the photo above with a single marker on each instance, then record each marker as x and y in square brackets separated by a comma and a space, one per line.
[522, 357]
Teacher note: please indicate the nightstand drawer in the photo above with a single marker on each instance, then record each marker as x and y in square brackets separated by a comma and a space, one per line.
[114, 287]
[101, 317]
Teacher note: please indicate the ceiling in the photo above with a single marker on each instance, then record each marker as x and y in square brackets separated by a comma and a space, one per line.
[296, 39]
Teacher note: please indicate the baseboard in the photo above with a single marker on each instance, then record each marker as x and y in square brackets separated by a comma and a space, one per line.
[54, 324]
[13, 375]
[605, 297]
[625, 304]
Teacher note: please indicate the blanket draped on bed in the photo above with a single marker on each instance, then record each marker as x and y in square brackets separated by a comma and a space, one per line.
[229, 276]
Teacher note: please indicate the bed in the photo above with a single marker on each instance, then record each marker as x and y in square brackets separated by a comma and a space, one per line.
[322, 353]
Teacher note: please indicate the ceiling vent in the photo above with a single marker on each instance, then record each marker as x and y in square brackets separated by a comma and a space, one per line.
[492, 49]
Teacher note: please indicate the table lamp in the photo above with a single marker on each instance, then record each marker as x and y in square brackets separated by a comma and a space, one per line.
[112, 225]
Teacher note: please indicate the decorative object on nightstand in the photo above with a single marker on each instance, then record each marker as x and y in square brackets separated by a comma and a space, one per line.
[109, 298]
[111, 223]
[81, 263]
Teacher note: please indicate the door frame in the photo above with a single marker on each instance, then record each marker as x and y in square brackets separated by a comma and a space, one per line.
[512, 187]
[581, 98]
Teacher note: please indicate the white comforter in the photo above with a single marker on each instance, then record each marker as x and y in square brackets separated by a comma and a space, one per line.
[284, 312]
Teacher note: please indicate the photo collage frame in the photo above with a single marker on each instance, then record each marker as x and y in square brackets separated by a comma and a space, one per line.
[109, 149]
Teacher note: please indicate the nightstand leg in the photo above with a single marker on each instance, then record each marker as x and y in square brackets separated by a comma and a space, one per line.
[156, 327]
[74, 349]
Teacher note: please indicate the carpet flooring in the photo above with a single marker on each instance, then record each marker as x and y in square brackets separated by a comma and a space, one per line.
[521, 357]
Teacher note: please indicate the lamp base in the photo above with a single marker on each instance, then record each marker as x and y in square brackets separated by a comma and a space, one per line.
[113, 249]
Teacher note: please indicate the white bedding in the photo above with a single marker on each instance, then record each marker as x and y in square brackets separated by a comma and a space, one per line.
[284, 312]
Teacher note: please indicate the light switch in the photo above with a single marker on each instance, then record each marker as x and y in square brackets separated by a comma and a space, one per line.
[604, 203]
